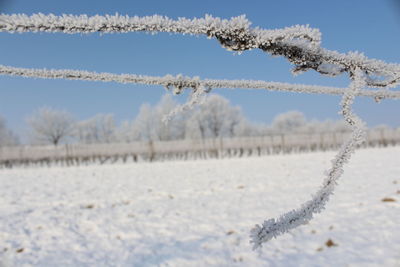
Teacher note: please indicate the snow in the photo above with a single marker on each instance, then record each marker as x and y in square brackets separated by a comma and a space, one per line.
[199, 213]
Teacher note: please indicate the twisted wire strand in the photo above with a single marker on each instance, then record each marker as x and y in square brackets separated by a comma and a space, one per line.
[180, 82]
[273, 227]
[298, 44]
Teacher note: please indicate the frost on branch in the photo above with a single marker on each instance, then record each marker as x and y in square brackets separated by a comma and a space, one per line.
[299, 44]
[51, 126]
[292, 219]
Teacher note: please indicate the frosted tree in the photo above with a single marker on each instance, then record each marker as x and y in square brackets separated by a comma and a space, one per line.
[172, 129]
[144, 123]
[127, 132]
[51, 126]
[150, 124]
[341, 127]
[7, 137]
[99, 129]
[215, 118]
[247, 128]
[287, 122]
[300, 45]
[296, 122]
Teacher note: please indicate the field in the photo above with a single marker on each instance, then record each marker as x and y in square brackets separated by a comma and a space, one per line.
[199, 213]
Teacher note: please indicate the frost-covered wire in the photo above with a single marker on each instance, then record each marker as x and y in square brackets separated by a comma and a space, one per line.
[292, 219]
[210, 26]
[179, 82]
[299, 44]
[197, 97]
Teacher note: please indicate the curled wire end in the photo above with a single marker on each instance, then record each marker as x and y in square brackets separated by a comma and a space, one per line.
[197, 97]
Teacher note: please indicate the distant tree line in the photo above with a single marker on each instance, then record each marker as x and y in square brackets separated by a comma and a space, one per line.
[215, 118]
[7, 137]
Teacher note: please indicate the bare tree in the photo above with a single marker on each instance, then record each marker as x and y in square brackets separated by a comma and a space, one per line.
[150, 126]
[144, 123]
[99, 129]
[247, 128]
[215, 118]
[127, 132]
[51, 126]
[288, 122]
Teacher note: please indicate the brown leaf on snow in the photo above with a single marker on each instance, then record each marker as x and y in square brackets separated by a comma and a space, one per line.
[230, 232]
[330, 243]
[388, 199]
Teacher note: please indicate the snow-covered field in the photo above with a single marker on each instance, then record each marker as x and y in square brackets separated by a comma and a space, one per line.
[199, 213]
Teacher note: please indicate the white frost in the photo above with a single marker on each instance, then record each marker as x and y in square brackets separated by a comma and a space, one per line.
[292, 219]
[182, 82]
[299, 44]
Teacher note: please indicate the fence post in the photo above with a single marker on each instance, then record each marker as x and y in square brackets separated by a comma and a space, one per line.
[151, 151]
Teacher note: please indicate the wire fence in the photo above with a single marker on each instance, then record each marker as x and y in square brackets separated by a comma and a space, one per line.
[81, 154]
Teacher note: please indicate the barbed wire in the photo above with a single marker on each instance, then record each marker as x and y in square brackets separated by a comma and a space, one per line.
[273, 227]
[181, 82]
[299, 44]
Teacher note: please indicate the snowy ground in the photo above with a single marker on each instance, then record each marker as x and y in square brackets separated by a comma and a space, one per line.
[199, 213]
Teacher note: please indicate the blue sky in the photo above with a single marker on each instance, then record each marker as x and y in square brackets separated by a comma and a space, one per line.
[369, 26]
